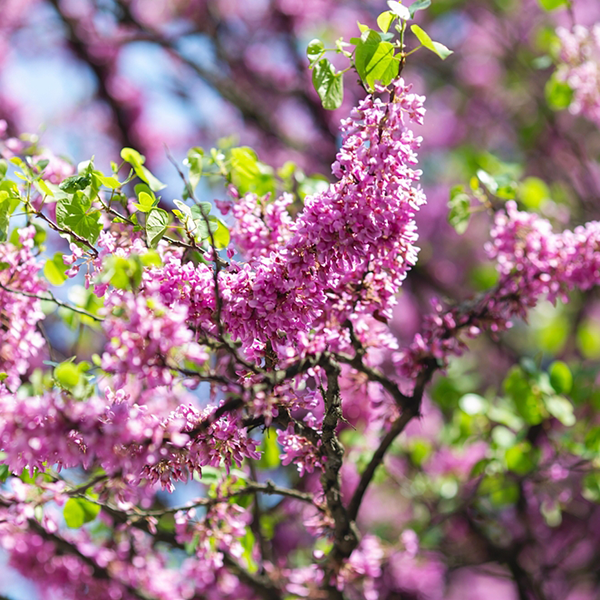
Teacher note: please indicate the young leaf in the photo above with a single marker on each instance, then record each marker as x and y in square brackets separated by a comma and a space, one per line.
[221, 235]
[418, 5]
[78, 511]
[428, 43]
[54, 269]
[75, 183]
[184, 214]
[67, 374]
[549, 5]
[329, 84]
[381, 66]
[399, 10]
[72, 213]
[558, 94]
[136, 160]
[156, 225]
[385, 19]
[460, 210]
[109, 182]
[315, 51]
[146, 202]
[194, 161]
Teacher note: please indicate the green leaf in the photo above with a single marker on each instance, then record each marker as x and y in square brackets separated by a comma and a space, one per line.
[377, 61]
[428, 43]
[500, 490]
[487, 180]
[314, 51]
[561, 408]
[67, 374]
[136, 160]
[588, 339]
[362, 27]
[418, 5]
[244, 168]
[558, 94]
[123, 273]
[156, 225]
[146, 202]
[194, 162]
[399, 9]
[75, 183]
[329, 84]
[365, 49]
[533, 192]
[201, 214]
[4, 473]
[3, 168]
[74, 213]
[520, 458]
[43, 188]
[5, 212]
[561, 378]
[526, 400]
[79, 511]
[55, 268]
[591, 487]
[460, 209]
[549, 5]
[385, 19]
[270, 451]
[109, 182]
[221, 235]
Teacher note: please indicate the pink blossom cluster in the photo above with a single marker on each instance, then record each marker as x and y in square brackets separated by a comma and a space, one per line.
[533, 262]
[20, 338]
[580, 69]
[351, 246]
[298, 450]
[261, 226]
[120, 436]
[146, 337]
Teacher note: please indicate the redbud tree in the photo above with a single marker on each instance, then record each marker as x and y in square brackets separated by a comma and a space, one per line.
[209, 400]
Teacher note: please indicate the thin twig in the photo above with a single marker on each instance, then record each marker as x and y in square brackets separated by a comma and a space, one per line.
[53, 299]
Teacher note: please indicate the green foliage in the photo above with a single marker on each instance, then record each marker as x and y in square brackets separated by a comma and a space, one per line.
[123, 273]
[375, 59]
[561, 378]
[157, 223]
[558, 93]
[55, 269]
[270, 451]
[79, 511]
[533, 192]
[549, 5]
[315, 51]
[8, 202]
[428, 43]
[460, 209]
[75, 213]
[194, 160]
[328, 83]
[67, 374]
[137, 160]
[146, 202]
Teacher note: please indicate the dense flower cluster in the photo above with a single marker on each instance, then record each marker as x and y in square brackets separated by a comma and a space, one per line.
[350, 248]
[533, 262]
[580, 69]
[20, 340]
